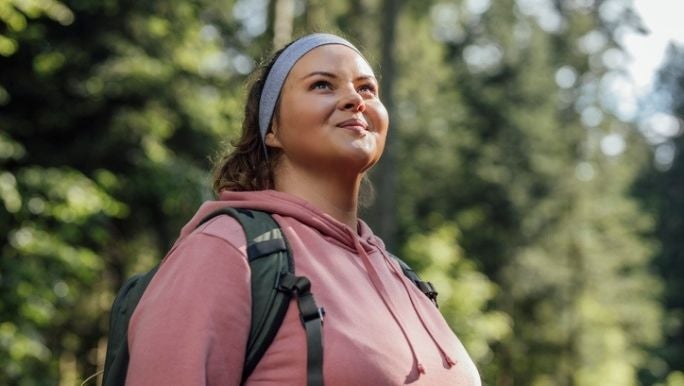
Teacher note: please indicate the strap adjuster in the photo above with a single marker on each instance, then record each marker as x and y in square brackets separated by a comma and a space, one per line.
[297, 285]
[319, 314]
[428, 289]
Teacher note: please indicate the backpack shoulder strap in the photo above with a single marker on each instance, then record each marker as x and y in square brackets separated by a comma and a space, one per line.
[269, 258]
[273, 285]
[424, 286]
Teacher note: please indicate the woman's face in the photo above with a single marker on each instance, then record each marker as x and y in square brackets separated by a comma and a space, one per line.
[330, 117]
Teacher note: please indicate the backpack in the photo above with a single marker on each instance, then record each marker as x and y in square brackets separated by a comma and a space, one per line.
[274, 284]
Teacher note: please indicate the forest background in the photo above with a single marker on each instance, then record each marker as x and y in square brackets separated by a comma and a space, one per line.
[549, 216]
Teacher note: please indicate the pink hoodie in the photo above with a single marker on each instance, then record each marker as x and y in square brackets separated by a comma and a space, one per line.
[191, 325]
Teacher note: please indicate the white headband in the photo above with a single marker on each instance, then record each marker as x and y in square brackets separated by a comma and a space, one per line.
[281, 68]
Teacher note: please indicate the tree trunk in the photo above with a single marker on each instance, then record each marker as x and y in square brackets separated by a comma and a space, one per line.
[283, 20]
[382, 215]
[316, 18]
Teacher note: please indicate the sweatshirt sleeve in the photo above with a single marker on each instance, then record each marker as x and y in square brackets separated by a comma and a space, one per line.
[192, 323]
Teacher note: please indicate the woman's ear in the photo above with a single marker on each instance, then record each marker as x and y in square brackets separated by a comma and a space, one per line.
[271, 138]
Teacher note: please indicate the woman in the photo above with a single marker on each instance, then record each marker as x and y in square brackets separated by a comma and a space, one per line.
[314, 125]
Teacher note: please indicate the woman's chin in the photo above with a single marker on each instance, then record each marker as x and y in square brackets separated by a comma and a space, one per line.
[362, 160]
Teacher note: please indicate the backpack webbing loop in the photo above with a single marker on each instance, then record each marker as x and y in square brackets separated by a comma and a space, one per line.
[312, 319]
[265, 248]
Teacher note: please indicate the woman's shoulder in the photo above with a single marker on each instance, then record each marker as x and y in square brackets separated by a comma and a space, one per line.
[224, 228]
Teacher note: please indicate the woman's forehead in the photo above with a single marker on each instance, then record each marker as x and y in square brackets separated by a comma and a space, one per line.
[332, 58]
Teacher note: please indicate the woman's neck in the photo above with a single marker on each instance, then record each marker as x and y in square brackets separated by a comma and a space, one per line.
[330, 193]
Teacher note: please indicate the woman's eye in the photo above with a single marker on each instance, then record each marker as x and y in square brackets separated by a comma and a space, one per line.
[321, 85]
[368, 88]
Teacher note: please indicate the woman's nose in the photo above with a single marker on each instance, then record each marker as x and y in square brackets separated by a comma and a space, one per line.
[353, 101]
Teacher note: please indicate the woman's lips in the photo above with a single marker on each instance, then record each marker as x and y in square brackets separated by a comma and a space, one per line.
[354, 124]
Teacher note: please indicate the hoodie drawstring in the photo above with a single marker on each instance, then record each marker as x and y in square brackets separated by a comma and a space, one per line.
[449, 361]
[377, 283]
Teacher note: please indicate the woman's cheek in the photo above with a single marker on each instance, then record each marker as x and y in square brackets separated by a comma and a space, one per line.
[381, 117]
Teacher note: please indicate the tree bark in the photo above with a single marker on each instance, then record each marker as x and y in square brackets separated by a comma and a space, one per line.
[283, 21]
[316, 18]
[382, 215]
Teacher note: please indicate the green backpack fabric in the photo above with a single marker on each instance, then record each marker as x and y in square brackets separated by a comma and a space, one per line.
[274, 285]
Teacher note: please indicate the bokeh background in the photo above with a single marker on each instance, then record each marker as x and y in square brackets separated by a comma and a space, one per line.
[529, 176]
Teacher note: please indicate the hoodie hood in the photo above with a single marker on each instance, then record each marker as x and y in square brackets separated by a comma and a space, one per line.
[287, 205]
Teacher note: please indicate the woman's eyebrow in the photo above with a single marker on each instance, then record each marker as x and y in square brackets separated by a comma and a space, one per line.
[323, 73]
[331, 75]
[366, 77]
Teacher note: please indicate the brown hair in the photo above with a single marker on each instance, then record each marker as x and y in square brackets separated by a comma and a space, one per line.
[247, 167]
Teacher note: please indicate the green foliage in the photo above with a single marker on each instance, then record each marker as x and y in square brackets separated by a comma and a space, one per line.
[675, 379]
[15, 15]
[110, 114]
[510, 161]
[463, 291]
[661, 190]
[50, 266]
